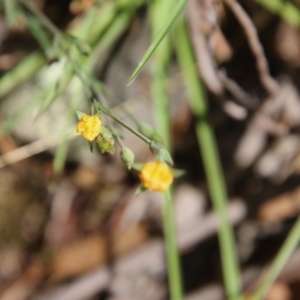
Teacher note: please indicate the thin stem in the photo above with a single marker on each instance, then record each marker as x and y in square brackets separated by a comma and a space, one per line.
[138, 134]
[161, 57]
[171, 17]
[120, 104]
[280, 260]
[118, 140]
[10, 10]
[211, 161]
[288, 11]
[172, 248]
[151, 143]
[42, 18]
[112, 128]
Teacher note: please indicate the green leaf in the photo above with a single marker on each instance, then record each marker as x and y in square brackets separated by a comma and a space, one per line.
[91, 144]
[286, 10]
[137, 166]
[74, 133]
[80, 114]
[11, 13]
[106, 133]
[164, 30]
[21, 73]
[140, 190]
[149, 132]
[178, 173]
[60, 157]
[165, 156]
[39, 33]
[127, 157]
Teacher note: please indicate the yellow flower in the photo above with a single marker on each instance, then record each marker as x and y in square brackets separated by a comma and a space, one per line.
[156, 176]
[89, 127]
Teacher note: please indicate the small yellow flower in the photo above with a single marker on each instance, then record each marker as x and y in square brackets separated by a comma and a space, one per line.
[156, 176]
[89, 127]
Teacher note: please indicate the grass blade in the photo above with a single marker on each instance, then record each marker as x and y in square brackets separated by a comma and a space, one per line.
[211, 161]
[285, 9]
[161, 58]
[11, 14]
[25, 70]
[280, 260]
[174, 271]
[159, 37]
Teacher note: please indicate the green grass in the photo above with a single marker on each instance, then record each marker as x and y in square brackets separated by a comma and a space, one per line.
[211, 161]
[285, 9]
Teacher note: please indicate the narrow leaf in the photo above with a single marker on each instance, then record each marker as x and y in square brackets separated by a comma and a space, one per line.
[140, 190]
[174, 14]
[80, 114]
[91, 144]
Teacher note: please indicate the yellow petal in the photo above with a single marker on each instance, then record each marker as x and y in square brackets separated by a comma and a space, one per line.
[156, 176]
[89, 127]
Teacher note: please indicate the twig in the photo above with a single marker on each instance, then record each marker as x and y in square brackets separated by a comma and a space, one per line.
[31, 149]
[267, 80]
[239, 94]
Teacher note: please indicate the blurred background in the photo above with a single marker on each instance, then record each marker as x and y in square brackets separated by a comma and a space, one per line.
[71, 226]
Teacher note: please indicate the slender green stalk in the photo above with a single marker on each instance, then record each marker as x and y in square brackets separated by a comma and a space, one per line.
[38, 32]
[211, 162]
[174, 13]
[61, 152]
[60, 157]
[161, 104]
[41, 17]
[172, 248]
[161, 58]
[285, 9]
[10, 9]
[25, 70]
[135, 132]
[280, 260]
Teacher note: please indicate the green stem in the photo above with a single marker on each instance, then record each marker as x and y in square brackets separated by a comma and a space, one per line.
[135, 132]
[211, 161]
[41, 17]
[285, 9]
[25, 70]
[172, 248]
[161, 104]
[171, 17]
[280, 260]
[160, 11]
[107, 94]
[10, 10]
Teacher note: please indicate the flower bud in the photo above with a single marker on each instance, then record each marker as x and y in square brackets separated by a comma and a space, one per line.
[106, 141]
[127, 157]
[165, 156]
[149, 132]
